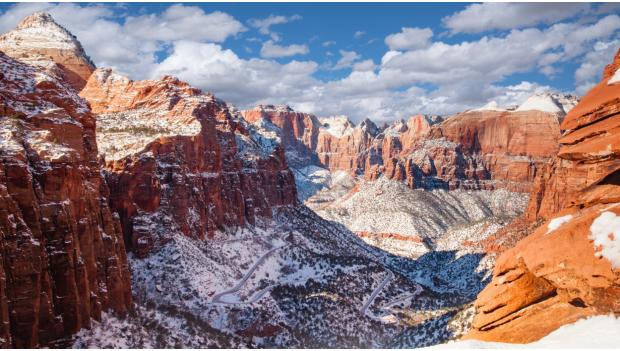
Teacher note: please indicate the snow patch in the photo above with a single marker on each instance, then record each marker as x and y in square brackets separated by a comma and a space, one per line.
[557, 223]
[615, 78]
[605, 232]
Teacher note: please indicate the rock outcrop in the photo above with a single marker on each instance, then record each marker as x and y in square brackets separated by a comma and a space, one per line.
[62, 254]
[182, 161]
[569, 267]
[38, 37]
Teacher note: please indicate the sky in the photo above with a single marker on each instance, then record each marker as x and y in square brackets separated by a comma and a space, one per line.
[382, 61]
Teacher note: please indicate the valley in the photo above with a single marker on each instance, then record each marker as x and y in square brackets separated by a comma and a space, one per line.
[150, 214]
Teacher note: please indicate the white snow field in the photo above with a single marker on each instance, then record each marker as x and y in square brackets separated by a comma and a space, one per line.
[599, 332]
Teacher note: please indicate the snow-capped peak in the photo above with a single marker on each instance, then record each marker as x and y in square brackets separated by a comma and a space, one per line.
[40, 31]
[549, 102]
[491, 106]
[337, 126]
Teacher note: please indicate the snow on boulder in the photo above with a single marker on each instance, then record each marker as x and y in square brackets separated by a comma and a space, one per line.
[557, 223]
[605, 232]
[615, 78]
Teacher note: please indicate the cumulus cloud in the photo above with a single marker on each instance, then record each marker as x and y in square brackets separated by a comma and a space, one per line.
[130, 46]
[245, 82]
[179, 22]
[409, 39]
[264, 24]
[415, 74]
[589, 71]
[273, 50]
[358, 34]
[478, 18]
[347, 58]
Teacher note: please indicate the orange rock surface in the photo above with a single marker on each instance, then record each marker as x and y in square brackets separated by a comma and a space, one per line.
[562, 271]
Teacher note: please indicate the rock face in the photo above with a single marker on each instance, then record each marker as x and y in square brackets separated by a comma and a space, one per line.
[473, 150]
[179, 160]
[569, 267]
[38, 37]
[63, 256]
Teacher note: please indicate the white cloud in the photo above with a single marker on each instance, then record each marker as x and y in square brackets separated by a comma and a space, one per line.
[347, 58]
[179, 22]
[264, 24]
[244, 82]
[589, 71]
[273, 50]
[366, 65]
[415, 75]
[489, 16]
[358, 34]
[409, 39]
[328, 43]
[129, 47]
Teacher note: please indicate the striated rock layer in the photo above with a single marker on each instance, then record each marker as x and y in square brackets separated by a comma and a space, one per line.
[38, 37]
[191, 165]
[62, 254]
[569, 267]
[478, 149]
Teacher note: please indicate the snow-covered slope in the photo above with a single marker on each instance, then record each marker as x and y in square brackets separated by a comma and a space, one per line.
[410, 222]
[296, 281]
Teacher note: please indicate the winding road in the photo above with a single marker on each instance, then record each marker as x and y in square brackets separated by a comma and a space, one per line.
[374, 294]
[218, 297]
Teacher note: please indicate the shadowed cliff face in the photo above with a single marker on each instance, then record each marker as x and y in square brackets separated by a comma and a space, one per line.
[569, 267]
[179, 160]
[63, 257]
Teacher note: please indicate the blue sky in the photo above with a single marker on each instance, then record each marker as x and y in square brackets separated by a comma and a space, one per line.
[377, 60]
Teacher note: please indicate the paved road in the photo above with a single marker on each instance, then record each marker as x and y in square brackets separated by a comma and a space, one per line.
[374, 294]
[218, 297]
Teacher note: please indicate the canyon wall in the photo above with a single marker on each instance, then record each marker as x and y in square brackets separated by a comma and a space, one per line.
[63, 257]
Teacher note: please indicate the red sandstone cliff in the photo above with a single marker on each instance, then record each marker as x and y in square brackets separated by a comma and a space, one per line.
[182, 161]
[569, 267]
[474, 149]
[62, 254]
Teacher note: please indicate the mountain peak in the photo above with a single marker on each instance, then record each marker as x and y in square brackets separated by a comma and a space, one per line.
[38, 39]
[36, 19]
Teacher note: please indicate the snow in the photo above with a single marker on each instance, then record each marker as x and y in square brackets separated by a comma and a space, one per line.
[124, 133]
[540, 103]
[605, 232]
[615, 78]
[388, 206]
[491, 106]
[549, 102]
[557, 223]
[338, 126]
[591, 333]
